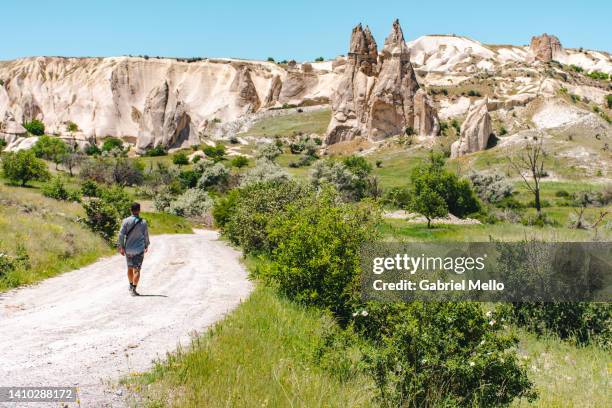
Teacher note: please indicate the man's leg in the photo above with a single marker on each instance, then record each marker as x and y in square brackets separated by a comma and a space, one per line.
[136, 276]
[131, 275]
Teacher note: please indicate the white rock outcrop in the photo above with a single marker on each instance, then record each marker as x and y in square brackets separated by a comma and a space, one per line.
[475, 130]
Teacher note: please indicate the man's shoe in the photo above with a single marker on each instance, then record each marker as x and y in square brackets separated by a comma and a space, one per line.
[134, 293]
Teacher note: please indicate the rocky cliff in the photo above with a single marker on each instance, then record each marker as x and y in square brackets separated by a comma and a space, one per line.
[475, 130]
[153, 101]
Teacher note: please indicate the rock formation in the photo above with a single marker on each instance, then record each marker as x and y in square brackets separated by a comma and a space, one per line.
[274, 91]
[164, 121]
[475, 130]
[379, 95]
[247, 93]
[546, 47]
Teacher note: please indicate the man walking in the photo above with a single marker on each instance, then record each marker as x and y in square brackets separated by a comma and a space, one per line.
[133, 244]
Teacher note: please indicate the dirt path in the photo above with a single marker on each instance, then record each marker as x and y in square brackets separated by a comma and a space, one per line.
[83, 329]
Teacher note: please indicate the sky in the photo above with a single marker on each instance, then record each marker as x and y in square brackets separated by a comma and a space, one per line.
[289, 29]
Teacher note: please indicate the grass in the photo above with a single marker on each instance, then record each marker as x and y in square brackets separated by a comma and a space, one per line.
[260, 355]
[49, 232]
[291, 124]
[394, 229]
[161, 223]
[565, 375]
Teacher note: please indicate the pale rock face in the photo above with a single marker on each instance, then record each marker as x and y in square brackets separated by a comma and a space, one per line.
[247, 93]
[380, 97]
[107, 96]
[164, 121]
[546, 47]
[274, 91]
[475, 130]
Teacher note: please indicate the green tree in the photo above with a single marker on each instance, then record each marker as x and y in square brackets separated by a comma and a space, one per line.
[72, 127]
[429, 204]
[457, 193]
[50, 148]
[35, 127]
[180, 159]
[23, 166]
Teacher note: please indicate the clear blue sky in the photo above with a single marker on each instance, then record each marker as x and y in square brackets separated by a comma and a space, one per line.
[281, 29]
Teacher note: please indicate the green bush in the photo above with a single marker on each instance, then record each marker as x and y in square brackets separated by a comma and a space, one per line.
[457, 193]
[23, 166]
[193, 203]
[35, 127]
[180, 159]
[189, 178]
[240, 161]
[319, 59]
[102, 218]
[215, 153]
[264, 170]
[440, 354]
[351, 177]
[224, 208]
[57, 190]
[254, 207]
[156, 151]
[491, 188]
[215, 175]
[268, 151]
[315, 250]
[111, 143]
[92, 150]
[397, 197]
[579, 322]
[90, 189]
[50, 148]
[599, 75]
[118, 198]
[609, 101]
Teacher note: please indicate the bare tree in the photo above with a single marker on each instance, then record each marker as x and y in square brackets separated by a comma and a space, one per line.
[529, 164]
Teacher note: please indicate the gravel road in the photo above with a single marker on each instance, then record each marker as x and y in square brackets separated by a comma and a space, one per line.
[83, 329]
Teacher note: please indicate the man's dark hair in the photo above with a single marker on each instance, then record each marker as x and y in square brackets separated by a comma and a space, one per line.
[135, 207]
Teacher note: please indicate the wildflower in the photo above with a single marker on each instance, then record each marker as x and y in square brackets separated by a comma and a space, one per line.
[492, 322]
[472, 364]
[364, 313]
[489, 313]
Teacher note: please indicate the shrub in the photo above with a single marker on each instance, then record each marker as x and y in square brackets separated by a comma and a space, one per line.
[473, 92]
[581, 322]
[193, 203]
[180, 159]
[196, 159]
[57, 190]
[224, 208]
[111, 143]
[491, 188]
[270, 59]
[90, 189]
[609, 101]
[268, 151]
[162, 200]
[92, 150]
[319, 59]
[445, 354]
[351, 177]
[240, 161]
[117, 198]
[102, 218]
[264, 170]
[50, 148]
[316, 244]
[215, 153]
[72, 127]
[562, 193]
[189, 178]
[598, 75]
[215, 175]
[397, 197]
[23, 166]
[431, 176]
[119, 170]
[156, 151]
[254, 207]
[35, 127]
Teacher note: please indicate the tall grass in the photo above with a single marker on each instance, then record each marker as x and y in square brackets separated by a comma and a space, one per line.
[261, 355]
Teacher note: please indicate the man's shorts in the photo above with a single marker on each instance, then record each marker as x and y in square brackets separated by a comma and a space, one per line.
[134, 261]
